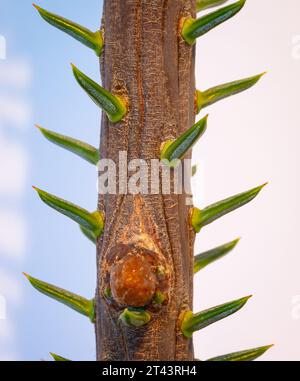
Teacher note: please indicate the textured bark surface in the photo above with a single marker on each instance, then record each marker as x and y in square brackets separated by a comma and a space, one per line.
[146, 61]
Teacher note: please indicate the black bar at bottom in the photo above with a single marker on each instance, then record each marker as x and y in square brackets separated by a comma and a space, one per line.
[137, 370]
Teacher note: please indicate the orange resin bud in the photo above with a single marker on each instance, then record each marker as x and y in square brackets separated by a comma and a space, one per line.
[132, 281]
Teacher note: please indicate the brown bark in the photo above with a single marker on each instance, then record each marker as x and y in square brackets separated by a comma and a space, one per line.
[146, 61]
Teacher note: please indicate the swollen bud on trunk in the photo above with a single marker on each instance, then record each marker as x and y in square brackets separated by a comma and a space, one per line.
[134, 278]
[132, 281]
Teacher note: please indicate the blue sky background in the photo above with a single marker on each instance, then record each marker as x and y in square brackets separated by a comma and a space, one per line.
[53, 249]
